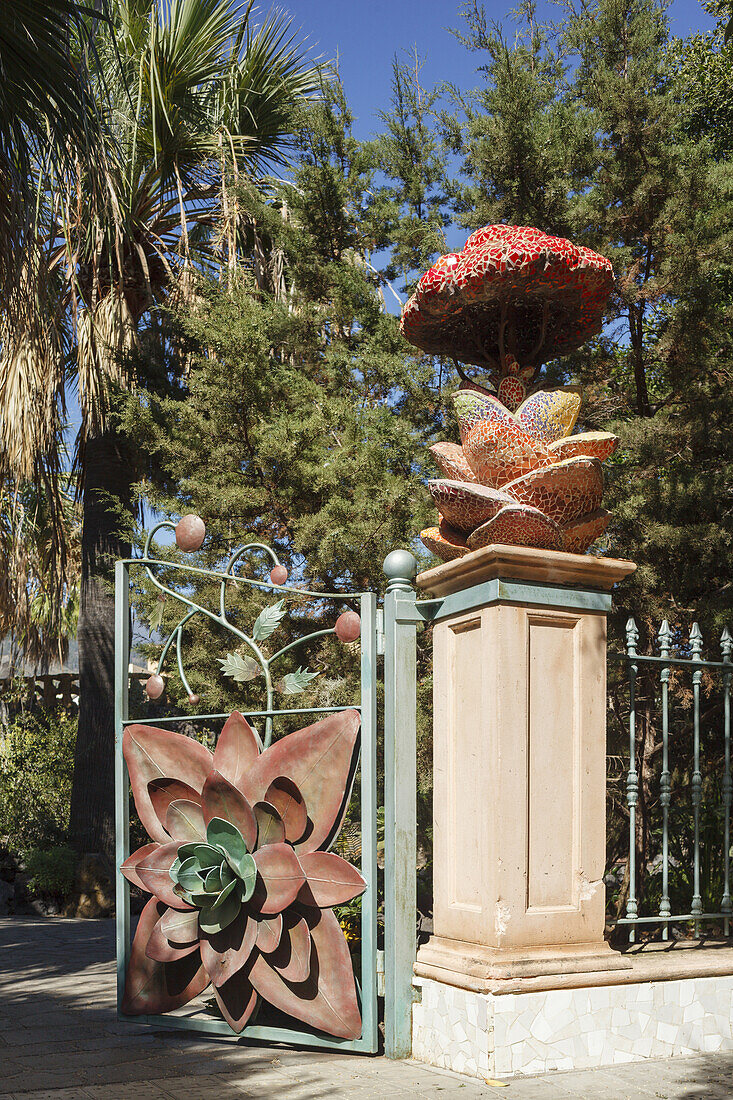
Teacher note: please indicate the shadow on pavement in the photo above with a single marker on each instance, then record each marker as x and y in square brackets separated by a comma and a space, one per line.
[59, 1030]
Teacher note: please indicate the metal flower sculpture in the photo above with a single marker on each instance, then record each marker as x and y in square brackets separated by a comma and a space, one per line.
[511, 300]
[240, 872]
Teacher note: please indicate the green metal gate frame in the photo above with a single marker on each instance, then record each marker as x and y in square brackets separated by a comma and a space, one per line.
[368, 1041]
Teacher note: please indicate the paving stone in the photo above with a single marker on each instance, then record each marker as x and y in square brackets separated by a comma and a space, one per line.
[60, 1040]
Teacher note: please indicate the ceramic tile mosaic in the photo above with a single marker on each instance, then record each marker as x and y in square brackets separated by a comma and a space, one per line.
[511, 299]
[558, 291]
[473, 407]
[564, 491]
[521, 1033]
[464, 506]
[581, 533]
[499, 451]
[518, 525]
[444, 542]
[451, 462]
[600, 445]
[548, 415]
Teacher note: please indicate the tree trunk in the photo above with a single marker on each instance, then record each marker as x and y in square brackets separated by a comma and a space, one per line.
[107, 488]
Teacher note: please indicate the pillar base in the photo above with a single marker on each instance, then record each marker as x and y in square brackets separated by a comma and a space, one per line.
[486, 969]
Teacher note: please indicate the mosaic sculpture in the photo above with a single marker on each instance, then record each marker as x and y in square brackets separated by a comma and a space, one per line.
[241, 878]
[511, 300]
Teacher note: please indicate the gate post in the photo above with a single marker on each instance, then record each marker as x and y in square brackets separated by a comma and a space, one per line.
[400, 801]
[122, 806]
[519, 813]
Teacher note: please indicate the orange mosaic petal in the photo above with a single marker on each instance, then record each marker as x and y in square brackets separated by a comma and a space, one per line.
[518, 525]
[500, 451]
[564, 491]
[451, 462]
[600, 445]
[444, 542]
[549, 415]
[466, 506]
[473, 407]
[581, 533]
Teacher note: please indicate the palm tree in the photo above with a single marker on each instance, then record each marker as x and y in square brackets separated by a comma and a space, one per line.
[45, 107]
[193, 97]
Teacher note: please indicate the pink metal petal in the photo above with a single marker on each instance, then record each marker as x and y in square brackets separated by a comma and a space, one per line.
[185, 821]
[237, 748]
[292, 959]
[225, 953]
[152, 987]
[289, 803]
[164, 791]
[159, 947]
[222, 799]
[330, 880]
[152, 753]
[180, 927]
[237, 1000]
[320, 760]
[129, 867]
[269, 932]
[327, 998]
[270, 826]
[279, 879]
[153, 871]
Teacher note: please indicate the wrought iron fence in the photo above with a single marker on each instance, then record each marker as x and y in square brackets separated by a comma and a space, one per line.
[694, 788]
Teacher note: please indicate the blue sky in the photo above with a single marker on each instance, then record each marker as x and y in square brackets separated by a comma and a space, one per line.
[365, 35]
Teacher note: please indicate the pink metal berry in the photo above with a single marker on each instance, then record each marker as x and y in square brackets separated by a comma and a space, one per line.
[279, 574]
[155, 686]
[194, 699]
[190, 533]
[348, 627]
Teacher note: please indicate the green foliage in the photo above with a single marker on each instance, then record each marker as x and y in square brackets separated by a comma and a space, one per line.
[51, 871]
[303, 419]
[36, 767]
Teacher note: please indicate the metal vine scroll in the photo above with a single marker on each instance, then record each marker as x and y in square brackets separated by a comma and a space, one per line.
[239, 934]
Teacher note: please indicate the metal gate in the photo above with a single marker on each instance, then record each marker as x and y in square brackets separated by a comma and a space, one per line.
[206, 888]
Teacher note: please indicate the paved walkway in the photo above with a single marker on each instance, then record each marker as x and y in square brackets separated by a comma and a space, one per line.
[60, 1040]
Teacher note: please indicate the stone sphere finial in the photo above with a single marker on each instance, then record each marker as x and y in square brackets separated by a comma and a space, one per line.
[400, 568]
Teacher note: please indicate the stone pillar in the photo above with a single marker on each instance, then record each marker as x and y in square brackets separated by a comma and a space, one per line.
[519, 769]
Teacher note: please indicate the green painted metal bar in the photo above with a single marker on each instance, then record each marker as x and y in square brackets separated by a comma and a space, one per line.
[696, 793]
[122, 805]
[683, 662]
[632, 779]
[220, 1028]
[370, 900]
[400, 805]
[343, 597]
[246, 714]
[671, 917]
[504, 591]
[726, 907]
[665, 781]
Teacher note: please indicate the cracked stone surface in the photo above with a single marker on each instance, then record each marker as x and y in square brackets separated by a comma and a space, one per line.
[60, 1040]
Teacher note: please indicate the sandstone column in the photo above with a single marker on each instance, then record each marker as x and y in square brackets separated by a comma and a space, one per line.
[519, 767]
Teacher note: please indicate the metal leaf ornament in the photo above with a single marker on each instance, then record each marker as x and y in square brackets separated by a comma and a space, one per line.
[240, 873]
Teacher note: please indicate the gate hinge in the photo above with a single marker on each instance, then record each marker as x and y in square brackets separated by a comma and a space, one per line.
[380, 631]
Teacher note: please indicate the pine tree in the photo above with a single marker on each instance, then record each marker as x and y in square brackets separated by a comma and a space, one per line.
[302, 419]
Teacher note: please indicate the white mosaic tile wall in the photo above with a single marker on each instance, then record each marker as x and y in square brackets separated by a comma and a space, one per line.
[483, 1035]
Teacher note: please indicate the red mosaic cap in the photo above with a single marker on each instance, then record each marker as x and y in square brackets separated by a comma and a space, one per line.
[556, 292]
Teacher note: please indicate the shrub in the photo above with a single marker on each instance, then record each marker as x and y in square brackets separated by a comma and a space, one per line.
[51, 871]
[36, 768]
